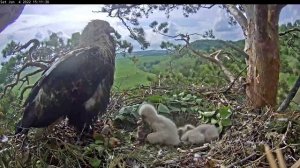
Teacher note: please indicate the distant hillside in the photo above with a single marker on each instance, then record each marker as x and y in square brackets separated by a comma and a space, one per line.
[150, 52]
[204, 45]
[146, 53]
[207, 45]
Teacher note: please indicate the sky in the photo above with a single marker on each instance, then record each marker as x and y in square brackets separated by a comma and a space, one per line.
[37, 21]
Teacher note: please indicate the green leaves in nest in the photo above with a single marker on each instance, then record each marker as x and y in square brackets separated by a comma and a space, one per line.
[128, 113]
[221, 116]
[155, 99]
[95, 162]
[163, 108]
[127, 117]
[185, 104]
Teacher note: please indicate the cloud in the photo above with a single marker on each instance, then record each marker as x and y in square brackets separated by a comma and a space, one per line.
[223, 30]
[223, 26]
[37, 20]
[289, 13]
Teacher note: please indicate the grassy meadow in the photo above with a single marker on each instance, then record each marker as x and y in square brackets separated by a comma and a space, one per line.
[128, 74]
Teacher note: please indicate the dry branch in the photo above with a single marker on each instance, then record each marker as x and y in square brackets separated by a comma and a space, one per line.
[232, 83]
[296, 165]
[216, 61]
[280, 158]
[242, 161]
[284, 105]
[270, 157]
[236, 49]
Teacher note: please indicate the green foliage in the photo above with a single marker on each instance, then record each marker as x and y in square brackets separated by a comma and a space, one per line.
[163, 109]
[181, 107]
[7, 71]
[74, 41]
[208, 45]
[9, 49]
[221, 117]
[127, 117]
[130, 15]
[10, 108]
[54, 41]
[290, 60]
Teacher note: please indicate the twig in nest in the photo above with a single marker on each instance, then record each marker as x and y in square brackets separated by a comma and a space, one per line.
[270, 157]
[297, 164]
[279, 156]
[286, 132]
[201, 148]
[281, 161]
[241, 161]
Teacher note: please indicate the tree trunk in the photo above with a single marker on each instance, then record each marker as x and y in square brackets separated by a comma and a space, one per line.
[263, 50]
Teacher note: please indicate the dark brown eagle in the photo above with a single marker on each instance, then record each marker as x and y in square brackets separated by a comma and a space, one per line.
[77, 85]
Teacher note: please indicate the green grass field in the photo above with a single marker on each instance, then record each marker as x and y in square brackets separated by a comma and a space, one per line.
[127, 74]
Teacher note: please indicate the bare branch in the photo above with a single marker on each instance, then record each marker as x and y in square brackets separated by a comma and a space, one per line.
[237, 77]
[236, 49]
[26, 79]
[129, 29]
[241, 161]
[29, 64]
[32, 73]
[207, 7]
[24, 90]
[297, 29]
[238, 15]
[227, 73]
[284, 105]
[297, 164]
[213, 57]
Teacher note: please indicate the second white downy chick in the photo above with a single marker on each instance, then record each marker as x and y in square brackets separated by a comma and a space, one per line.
[201, 134]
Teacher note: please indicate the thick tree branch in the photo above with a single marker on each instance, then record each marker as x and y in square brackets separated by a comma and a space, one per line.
[36, 44]
[284, 105]
[232, 83]
[239, 16]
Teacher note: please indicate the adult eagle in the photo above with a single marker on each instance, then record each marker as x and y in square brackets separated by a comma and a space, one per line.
[77, 85]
